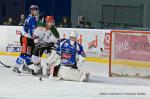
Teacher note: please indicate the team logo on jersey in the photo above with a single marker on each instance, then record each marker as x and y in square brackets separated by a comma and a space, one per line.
[66, 44]
[66, 56]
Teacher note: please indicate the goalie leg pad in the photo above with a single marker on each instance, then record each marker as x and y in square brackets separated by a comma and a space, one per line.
[70, 74]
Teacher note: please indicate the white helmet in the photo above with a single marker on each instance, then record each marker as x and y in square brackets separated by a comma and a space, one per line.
[73, 34]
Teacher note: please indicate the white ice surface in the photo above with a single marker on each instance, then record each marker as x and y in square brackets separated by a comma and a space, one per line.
[13, 86]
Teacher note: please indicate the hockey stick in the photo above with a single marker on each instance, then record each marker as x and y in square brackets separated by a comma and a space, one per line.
[5, 65]
[41, 73]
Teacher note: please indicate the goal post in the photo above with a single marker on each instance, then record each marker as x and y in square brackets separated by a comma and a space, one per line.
[129, 53]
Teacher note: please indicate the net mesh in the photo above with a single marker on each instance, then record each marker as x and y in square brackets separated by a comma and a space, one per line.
[130, 54]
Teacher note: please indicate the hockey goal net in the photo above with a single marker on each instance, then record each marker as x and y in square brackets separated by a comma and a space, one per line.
[129, 54]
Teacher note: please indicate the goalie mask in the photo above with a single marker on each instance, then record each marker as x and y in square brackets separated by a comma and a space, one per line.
[73, 35]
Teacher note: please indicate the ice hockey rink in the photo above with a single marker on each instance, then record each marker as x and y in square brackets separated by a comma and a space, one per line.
[100, 85]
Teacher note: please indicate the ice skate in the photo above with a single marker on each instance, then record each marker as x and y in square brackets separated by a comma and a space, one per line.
[16, 70]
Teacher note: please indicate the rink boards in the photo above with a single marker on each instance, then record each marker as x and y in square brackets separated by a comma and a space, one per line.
[95, 42]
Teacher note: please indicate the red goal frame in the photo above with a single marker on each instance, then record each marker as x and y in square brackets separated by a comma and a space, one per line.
[110, 48]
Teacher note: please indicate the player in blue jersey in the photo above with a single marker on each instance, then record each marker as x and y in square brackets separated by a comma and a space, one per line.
[69, 49]
[72, 56]
[26, 39]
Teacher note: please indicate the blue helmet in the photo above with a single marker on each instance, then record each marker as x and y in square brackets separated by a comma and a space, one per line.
[34, 7]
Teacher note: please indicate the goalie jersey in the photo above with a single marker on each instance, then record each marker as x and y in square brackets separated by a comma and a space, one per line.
[68, 52]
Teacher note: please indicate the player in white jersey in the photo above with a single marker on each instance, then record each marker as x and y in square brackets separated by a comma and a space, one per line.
[44, 38]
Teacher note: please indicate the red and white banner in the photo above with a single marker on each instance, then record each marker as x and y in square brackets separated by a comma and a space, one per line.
[94, 41]
[107, 41]
[131, 46]
[91, 39]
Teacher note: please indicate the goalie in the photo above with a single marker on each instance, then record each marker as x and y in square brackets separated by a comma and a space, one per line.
[72, 56]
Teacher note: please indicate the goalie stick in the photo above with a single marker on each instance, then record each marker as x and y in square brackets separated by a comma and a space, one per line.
[41, 74]
[5, 65]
